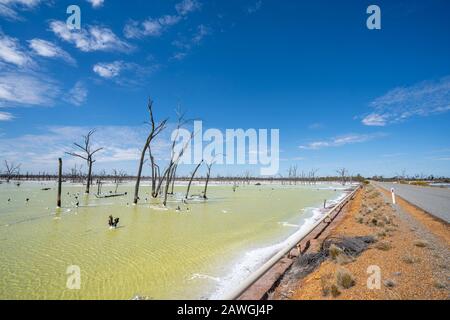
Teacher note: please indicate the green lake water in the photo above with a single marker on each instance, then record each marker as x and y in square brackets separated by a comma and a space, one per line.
[155, 253]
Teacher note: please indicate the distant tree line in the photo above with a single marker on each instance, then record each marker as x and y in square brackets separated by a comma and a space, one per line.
[163, 178]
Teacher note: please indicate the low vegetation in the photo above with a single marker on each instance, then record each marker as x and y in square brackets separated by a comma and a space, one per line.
[344, 278]
[383, 246]
[421, 243]
[409, 259]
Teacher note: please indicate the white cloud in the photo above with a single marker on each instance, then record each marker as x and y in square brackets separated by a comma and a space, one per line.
[124, 73]
[96, 3]
[185, 45]
[41, 151]
[49, 50]
[150, 27]
[393, 155]
[202, 31]
[179, 55]
[91, 38]
[27, 89]
[254, 7]
[187, 6]
[341, 141]
[109, 70]
[420, 100]
[11, 52]
[8, 12]
[155, 27]
[6, 116]
[77, 95]
[376, 120]
[9, 8]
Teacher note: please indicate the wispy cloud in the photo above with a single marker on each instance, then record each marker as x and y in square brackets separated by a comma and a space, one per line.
[77, 95]
[420, 100]
[393, 155]
[202, 31]
[293, 159]
[179, 56]
[254, 7]
[12, 52]
[375, 120]
[125, 73]
[316, 126]
[9, 8]
[50, 50]
[341, 141]
[96, 3]
[109, 70]
[27, 89]
[187, 6]
[90, 38]
[186, 45]
[155, 27]
[6, 116]
[150, 27]
[121, 145]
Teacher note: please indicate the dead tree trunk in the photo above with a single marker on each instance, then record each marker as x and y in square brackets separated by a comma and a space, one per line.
[154, 131]
[169, 174]
[173, 177]
[89, 177]
[11, 170]
[139, 174]
[160, 182]
[166, 191]
[208, 174]
[153, 167]
[88, 156]
[192, 178]
[58, 201]
[342, 173]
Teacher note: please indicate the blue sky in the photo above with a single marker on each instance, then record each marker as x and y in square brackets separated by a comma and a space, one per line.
[374, 101]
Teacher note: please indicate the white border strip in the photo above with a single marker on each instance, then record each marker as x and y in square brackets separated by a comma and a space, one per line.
[237, 292]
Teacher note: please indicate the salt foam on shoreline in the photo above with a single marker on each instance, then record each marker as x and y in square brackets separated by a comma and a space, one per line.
[255, 258]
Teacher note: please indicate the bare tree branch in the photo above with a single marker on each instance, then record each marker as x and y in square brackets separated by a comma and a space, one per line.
[88, 155]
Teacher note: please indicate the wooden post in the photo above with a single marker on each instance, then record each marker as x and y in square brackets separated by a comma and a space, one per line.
[58, 203]
[99, 187]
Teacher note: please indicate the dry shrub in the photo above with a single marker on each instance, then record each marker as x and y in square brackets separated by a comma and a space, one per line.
[325, 284]
[344, 278]
[344, 259]
[334, 251]
[338, 255]
[383, 246]
[439, 284]
[381, 234]
[335, 290]
[410, 259]
[421, 243]
[359, 219]
[390, 229]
